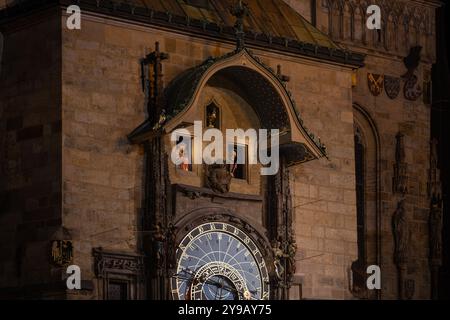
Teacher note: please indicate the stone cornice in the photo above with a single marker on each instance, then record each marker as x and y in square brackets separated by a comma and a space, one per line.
[193, 27]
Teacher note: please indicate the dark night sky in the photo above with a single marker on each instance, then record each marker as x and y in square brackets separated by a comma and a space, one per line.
[441, 130]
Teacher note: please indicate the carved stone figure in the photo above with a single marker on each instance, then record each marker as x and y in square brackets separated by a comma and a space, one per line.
[400, 180]
[435, 220]
[401, 234]
[434, 184]
[218, 178]
[212, 116]
[278, 257]
[290, 255]
[171, 246]
[62, 252]
[436, 231]
[159, 239]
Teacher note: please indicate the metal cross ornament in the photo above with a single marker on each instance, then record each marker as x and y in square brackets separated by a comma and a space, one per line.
[240, 11]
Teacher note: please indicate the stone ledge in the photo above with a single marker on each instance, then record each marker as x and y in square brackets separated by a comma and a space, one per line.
[196, 192]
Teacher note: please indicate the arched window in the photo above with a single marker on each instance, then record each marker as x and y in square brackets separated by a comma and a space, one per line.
[367, 201]
[360, 194]
[360, 265]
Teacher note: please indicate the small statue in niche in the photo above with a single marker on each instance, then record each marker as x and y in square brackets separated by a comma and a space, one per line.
[212, 116]
[278, 256]
[171, 245]
[291, 252]
[436, 230]
[400, 179]
[159, 239]
[401, 233]
[281, 257]
[62, 252]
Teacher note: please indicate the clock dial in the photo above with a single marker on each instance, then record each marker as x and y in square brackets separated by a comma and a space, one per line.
[217, 261]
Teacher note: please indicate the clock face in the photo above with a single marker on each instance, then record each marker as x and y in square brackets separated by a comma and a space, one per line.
[217, 261]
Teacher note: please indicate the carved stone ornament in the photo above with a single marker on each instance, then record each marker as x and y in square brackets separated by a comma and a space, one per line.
[218, 178]
[240, 10]
[392, 86]
[436, 208]
[400, 180]
[107, 262]
[436, 225]
[61, 252]
[213, 116]
[434, 183]
[375, 82]
[435, 222]
[412, 89]
[278, 256]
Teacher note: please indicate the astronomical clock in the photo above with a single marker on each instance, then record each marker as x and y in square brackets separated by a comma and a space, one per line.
[221, 231]
[218, 261]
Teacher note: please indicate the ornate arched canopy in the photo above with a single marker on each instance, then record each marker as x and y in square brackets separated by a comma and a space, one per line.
[262, 88]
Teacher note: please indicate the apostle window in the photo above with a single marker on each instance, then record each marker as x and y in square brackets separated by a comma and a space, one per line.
[238, 157]
[184, 153]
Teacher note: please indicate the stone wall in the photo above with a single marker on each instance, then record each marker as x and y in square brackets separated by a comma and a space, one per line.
[413, 120]
[30, 150]
[324, 190]
[414, 26]
[66, 161]
[103, 102]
